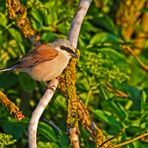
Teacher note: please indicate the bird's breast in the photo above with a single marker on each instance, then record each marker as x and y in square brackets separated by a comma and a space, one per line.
[49, 70]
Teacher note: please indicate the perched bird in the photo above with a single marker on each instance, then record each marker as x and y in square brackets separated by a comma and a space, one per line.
[46, 61]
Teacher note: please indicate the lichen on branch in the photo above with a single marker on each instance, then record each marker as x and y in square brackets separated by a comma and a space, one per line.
[11, 106]
[17, 11]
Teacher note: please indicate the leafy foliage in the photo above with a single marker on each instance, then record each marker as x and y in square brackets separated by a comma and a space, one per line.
[6, 140]
[109, 81]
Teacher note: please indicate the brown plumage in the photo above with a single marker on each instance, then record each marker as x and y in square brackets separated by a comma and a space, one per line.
[41, 54]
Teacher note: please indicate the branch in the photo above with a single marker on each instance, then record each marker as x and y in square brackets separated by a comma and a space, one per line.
[73, 37]
[143, 66]
[131, 140]
[91, 127]
[70, 74]
[18, 12]
[127, 16]
[74, 138]
[32, 129]
[77, 21]
[11, 106]
[76, 108]
[67, 86]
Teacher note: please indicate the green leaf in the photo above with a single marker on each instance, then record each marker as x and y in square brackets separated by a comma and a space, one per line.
[144, 10]
[16, 130]
[15, 34]
[107, 23]
[117, 109]
[6, 140]
[3, 20]
[103, 37]
[44, 129]
[37, 15]
[8, 80]
[47, 144]
[47, 131]
[26, 82]
[109, 119]
[48, 36]
[63, 140]
[139, 144]
[133, 129]
[113, 53]
[62, 28]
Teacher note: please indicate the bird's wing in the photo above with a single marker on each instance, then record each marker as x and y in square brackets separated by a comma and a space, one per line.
[41, 54]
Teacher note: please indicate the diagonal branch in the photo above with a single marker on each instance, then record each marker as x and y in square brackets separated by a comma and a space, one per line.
[77, 21]
[32, 128]
[131, 140]
[143, 66]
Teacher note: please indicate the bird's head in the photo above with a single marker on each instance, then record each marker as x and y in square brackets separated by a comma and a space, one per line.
[65, 45]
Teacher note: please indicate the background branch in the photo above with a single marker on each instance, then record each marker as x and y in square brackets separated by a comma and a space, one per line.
[143, 66]
[131, 140]
[18, 12]
[11, 106]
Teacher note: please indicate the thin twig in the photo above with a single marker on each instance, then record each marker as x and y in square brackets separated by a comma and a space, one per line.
[131, 140]
[110, 139]
[117, 92]
[32, 129]
[143, 66]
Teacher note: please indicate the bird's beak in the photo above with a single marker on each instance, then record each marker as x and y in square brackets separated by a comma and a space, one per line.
[70, 50]
[73, 54]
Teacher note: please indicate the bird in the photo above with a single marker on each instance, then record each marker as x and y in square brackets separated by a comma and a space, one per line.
[47, 61]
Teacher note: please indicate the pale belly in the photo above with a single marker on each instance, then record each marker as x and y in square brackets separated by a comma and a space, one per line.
[48, 70]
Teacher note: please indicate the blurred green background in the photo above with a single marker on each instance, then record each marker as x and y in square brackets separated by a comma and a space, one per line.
[110, 82]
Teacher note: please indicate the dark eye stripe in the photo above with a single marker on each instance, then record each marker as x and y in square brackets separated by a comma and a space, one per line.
[70, 51]
[66, 48]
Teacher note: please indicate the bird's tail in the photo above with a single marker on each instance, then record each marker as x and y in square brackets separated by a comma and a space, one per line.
[9, 68]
